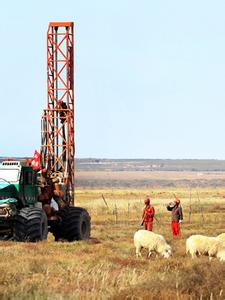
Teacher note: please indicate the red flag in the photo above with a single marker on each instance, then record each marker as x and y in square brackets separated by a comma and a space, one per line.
[36, 161]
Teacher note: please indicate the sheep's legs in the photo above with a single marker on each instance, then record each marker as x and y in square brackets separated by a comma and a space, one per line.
[193, 255]
[138, 251]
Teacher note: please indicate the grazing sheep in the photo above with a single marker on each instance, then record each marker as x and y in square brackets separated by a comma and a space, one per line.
[151, 241]
[204, 245]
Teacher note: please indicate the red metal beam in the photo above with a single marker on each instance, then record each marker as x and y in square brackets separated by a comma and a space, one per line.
[61, 24]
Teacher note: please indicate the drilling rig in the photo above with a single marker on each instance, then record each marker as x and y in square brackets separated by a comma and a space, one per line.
[57, 149]
[38, 196]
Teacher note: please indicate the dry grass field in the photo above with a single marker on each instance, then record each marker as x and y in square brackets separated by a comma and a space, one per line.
[105, 267]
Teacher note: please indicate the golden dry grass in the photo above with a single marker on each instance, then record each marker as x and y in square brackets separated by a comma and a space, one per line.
[105, 267]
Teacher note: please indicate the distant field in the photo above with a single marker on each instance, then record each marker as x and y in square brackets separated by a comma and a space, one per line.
[181, 165]
[105, 267]
[149, 173]
[144, 179]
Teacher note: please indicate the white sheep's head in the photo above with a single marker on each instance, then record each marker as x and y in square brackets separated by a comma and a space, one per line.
[221, 237]
[221, 255]
[167, 252]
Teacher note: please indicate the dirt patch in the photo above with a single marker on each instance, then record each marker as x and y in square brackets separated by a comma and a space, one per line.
[124, 262]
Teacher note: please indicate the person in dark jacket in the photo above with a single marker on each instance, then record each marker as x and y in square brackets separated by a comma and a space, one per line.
[177, 217]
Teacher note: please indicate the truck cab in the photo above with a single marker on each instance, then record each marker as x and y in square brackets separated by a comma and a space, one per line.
[18, 182]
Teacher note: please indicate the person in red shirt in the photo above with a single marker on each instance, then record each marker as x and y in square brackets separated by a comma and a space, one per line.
[148, 215]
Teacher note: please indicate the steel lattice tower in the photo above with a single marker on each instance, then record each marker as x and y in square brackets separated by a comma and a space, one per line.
[58, 146]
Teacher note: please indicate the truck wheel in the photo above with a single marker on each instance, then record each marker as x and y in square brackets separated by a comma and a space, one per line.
[75, 224]
[31, 225]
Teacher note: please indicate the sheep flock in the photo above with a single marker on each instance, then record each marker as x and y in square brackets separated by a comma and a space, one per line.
[196, 245]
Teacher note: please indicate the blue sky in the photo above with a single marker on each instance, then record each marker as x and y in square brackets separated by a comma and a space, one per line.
[149, 77]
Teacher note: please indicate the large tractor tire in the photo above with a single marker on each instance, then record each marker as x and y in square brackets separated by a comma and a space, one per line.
[74, 224]
[31, 225]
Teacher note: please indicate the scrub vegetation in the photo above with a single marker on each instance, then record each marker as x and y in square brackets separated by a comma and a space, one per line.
[105, 267]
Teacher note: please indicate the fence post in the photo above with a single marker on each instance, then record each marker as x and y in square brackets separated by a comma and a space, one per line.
[105, 201]
[200, 208]
[116, 214]
[190, 207]
[128, 213]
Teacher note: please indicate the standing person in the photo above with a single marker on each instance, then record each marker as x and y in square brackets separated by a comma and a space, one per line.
[148, 215]
[177, 217]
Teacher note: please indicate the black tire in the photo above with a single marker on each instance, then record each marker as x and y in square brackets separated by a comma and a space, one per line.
[31, 225]
[74, 224]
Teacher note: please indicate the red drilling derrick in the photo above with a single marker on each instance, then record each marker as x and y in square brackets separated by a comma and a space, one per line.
[57, 133]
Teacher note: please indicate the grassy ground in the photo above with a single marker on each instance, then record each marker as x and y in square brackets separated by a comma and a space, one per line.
[105, 267]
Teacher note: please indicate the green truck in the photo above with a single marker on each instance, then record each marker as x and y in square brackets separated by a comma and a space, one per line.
[22, 214]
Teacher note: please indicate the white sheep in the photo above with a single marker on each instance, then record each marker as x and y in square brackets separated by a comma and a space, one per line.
[151, 241]
[205, 245]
